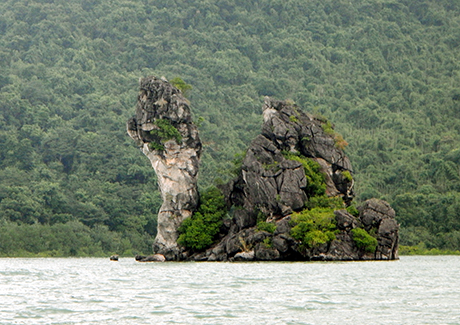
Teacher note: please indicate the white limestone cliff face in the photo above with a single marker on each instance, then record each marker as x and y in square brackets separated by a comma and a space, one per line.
[174, 152]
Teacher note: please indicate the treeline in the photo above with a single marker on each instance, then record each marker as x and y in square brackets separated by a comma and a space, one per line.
[386, 72]
[68, 239]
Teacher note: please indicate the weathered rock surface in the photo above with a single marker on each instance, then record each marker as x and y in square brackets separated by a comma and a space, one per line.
[250, 244]
[175, 159]
[379, 215]
[275, 185]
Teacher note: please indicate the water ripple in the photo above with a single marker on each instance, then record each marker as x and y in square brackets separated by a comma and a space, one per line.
[415, 290]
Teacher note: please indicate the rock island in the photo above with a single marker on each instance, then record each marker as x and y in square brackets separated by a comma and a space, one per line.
[291, 201]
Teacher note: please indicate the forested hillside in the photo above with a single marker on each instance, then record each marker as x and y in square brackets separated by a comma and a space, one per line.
[386, 72]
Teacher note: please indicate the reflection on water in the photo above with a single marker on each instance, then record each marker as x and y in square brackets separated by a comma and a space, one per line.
[414, 290]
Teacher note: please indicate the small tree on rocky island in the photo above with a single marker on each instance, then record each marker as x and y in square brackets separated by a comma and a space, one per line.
[181, 85]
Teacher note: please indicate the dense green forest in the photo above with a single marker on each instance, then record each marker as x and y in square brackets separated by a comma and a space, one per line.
[386, 72]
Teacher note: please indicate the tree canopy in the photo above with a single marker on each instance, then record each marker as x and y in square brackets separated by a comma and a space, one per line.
[386, 72]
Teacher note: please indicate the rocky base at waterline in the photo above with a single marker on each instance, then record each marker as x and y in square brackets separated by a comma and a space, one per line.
[251, 244]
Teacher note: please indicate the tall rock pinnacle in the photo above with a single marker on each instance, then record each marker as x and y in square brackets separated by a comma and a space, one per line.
[164, 131]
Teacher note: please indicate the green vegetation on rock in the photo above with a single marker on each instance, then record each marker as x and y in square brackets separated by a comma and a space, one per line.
[198, 232]
[351, 209]
[316, 224]
[363, 240]
[316, 185]
[340, 142]
[181, 85]
[165, 131]
[266, 226]
[347, 175]
[323, 201]
[314, 227]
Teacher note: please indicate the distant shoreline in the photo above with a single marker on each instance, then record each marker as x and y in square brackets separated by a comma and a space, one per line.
[416, 250]
[403, 251]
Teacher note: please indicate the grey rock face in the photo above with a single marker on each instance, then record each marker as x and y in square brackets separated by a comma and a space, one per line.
[380, 215]
[345, 221]
[276, 186]
[175, 158]
[265, 253]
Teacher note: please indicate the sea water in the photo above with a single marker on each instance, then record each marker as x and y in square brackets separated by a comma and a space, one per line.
[413, 290]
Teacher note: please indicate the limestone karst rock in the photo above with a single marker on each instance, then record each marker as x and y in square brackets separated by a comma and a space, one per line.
[273, 184]
[380, 215]
[164, 131]
[297, 160]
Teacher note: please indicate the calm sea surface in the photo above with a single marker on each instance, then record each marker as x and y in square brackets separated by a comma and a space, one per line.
[413, 290]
